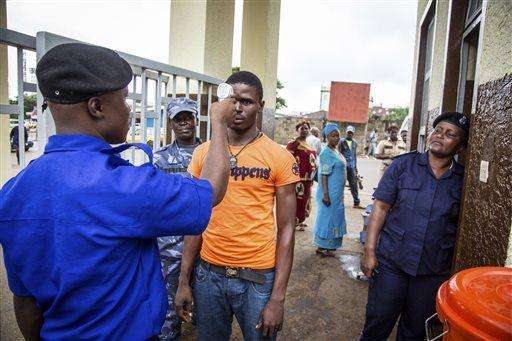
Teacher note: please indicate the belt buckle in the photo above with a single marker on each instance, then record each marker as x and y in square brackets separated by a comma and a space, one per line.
[231, 272]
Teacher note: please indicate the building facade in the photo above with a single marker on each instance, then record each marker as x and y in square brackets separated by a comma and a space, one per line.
[463, 62]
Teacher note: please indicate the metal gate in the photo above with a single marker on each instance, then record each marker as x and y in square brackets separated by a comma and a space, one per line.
[152, 85]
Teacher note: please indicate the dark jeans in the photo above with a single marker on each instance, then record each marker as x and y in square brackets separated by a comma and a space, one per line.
[217, 298]
[352, 183]
[393, 294]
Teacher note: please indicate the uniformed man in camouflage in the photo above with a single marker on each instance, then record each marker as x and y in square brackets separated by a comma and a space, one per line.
[388, 149]
[174, 158]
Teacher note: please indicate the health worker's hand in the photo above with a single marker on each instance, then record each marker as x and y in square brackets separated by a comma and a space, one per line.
[224, 110]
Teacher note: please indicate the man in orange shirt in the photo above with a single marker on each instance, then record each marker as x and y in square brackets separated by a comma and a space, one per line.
[244, 263]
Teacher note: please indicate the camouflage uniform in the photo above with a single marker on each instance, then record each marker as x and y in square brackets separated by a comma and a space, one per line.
[172, 159]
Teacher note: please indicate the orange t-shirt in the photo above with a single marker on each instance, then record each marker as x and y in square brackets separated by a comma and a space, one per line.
[242, 231]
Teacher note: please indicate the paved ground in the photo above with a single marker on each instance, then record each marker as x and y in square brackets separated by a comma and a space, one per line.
[322, 303]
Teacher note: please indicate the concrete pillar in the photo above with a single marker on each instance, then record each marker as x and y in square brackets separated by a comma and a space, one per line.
[201, 36]
[260, 43]
[5, 149]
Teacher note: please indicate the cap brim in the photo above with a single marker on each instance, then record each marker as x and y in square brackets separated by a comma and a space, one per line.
[173, 113]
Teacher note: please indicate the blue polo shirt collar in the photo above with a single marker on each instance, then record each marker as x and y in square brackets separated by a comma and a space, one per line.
[60, 143]
[457, 167]
[423, 159]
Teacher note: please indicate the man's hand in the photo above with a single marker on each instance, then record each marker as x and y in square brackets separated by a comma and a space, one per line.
[224, 110]
[183, 302]
[369, 263]
[271, 320]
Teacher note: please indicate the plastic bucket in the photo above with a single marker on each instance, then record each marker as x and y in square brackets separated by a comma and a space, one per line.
[475, 304]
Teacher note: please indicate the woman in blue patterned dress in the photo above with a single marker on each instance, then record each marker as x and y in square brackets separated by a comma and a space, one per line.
[330, 223]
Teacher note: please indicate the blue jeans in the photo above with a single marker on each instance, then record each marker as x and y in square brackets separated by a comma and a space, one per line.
[217, 298]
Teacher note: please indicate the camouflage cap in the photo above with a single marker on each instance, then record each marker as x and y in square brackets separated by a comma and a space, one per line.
[180, 104]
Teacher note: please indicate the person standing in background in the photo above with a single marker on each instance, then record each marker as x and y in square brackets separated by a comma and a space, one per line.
[388, 149]
[403, 135]
[305, 156]
[314, 140]
[373, 143]
[175, 158]
[348, 148]
[15, 143]
[330, 225]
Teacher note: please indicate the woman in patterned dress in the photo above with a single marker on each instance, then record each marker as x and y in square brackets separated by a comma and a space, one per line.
[305, 156]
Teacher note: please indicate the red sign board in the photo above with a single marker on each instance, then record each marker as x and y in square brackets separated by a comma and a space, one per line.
[349, 102]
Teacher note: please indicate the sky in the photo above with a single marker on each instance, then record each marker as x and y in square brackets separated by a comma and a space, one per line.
[369, 41]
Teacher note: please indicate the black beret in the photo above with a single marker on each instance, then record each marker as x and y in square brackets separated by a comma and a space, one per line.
[72, 73]
[455, 118]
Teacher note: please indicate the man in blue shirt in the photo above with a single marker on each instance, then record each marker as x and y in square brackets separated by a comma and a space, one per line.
[78, 225]
[416, 206]
[348, 148]
[175, 158]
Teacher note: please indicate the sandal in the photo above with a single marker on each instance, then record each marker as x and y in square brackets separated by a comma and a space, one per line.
[325, 253]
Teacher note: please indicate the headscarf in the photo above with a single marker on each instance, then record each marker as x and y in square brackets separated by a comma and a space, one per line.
[329, 128]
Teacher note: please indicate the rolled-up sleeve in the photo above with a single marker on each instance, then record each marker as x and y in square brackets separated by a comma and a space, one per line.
[151, 203]
[388, 185]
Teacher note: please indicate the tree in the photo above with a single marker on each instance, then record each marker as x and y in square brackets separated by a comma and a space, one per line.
[29, 103]
[280, 102]
[396, 115]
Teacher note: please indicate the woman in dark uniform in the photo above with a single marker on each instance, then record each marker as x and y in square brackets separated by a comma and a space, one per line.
[411, 233]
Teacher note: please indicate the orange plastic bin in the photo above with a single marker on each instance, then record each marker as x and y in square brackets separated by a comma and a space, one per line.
[476, 304]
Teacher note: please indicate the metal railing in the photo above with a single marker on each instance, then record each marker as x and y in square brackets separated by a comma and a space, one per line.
[21, 42]
[165, 79]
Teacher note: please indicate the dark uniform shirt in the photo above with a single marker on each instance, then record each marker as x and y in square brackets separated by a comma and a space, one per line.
[78, 229]
[420, 229]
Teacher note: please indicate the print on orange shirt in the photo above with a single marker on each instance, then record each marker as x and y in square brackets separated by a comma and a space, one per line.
[253, 172]
[242, 231]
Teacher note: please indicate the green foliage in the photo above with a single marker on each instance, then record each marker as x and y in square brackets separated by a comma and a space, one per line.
[396, 115]
[29, 103]
[280, 102]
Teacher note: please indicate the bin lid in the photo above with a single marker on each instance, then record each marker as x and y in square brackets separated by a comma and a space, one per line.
[478, 302]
